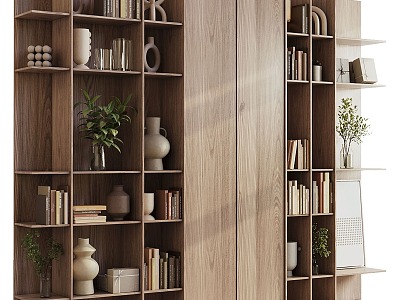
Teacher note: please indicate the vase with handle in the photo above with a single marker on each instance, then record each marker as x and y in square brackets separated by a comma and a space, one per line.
[156, 146]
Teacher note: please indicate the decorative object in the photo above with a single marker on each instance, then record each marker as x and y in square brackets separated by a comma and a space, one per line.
[342, 70]
[42, 261]
[118, 204]
[152, 6]
[122, 54]
[100, 124]
[122, 280]
[322, 18]
[317, 71]
[364, 70]
[319, 246]
[316, 23]
[148, 206]
[39, 56]
[351, 128]
[103, 59]
[85, 268]
[156, 146]
[151, 46]
[82, 43]
[84, 6]
[291, 257]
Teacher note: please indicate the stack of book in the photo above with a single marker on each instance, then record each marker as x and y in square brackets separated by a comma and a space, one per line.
[321, 193]
[168, 204]
[298, 199]
[52, 205]
[89, 214]
[296, 64]
[299, 19]
[297, 157]
[129, 9]
[162, 270]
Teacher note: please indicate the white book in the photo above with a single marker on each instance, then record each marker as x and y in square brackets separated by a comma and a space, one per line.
[290, 199]
[299, 158]
[314, 197]
[66, 208]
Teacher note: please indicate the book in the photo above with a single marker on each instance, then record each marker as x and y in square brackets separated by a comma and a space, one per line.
[161, 204]
[123, 9]
[145, 277]
[305, 66]
[171, 272]
[293, 154]
[156, 275]
[326, 188]
[45, 190]
[161, 273]
[58, 207]
[299, 57]
[66, 208]
[96, 219]
[89, 207]
[42, 210]
[138, 9]
[299, 19]
[148, 255]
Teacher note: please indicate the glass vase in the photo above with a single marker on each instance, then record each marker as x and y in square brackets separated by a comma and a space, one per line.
[315, 267]
[98, 158]
[45, 285]
[346, 158]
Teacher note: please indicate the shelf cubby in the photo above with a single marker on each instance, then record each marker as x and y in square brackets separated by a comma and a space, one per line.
[323, 287]
[23, 6]
[298, 230]
[299, 289]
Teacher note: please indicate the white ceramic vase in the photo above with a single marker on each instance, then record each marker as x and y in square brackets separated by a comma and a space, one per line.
[291, 257]
[152, 6]
[151, 46]
[82, 47]
[156, 146]
[85, 268]
[148, 206]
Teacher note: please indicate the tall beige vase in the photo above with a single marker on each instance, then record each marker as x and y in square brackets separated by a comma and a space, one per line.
[85, 268]
[156, 146]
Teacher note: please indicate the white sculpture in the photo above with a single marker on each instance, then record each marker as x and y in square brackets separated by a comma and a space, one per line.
[150, 45]
[154, 5]
[322, 18]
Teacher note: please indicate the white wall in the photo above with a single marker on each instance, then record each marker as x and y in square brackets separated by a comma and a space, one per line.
[382, 106]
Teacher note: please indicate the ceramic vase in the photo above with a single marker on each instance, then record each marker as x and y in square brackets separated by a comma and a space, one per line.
[81, 47]
[148, 206]
[152, 6]
[156, 146]
[118, 203]
[85, 268]
[151, 46]
[291, 257]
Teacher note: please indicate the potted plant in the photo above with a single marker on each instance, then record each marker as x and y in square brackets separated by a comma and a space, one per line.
[351, 128]
[42, 260]
[100, 124]
[319, 245]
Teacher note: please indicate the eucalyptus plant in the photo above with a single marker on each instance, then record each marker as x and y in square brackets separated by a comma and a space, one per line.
[100, 123]
[41, 260]
[352, 127]
[320, 241]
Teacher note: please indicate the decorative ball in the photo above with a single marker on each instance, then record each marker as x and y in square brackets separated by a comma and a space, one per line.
[47, 49]
[38, 56]
[31, 63]
[38, 49]
[38, 63]
[31, 48]
[47, 56]
[46, 63]
[31, 56]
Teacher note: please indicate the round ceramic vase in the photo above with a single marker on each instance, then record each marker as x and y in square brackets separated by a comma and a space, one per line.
[118, 203]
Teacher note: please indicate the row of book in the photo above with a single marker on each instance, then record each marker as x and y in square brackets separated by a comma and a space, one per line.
[322, 193]
[298, 199]
[52, 205]
[128, 9]
[298, 157]
[89, 214]
[297, 64]
[162, 270]
[168, 204]
[299, 18]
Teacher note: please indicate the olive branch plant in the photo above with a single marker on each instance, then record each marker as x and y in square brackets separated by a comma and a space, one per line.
[320, 241]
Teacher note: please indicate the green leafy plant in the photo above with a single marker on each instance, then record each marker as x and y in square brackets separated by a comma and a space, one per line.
[100, 123]
[320, 241]
[42, 261]
[351, 127]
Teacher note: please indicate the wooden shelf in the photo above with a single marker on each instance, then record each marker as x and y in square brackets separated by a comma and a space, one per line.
[108, 223]
[161, 25]
[163, 291]
[162, 221]
[322, 276]
[41, 15]
[297, 34]
[161, 75]
[41, 172]
[322, 214]
[296, 278]
[37, 297]
[291, 81]
[359, 169]
[357, 42]
[340, 85]
[50, 70]
[321, 37]
[296, 216]
[105, 72]
[34, 225]
[101, 294]
[104, 172]
[298, 170]
[357, 271]
[164, 172]
[322, 82]
[321, 170]
[94, 19]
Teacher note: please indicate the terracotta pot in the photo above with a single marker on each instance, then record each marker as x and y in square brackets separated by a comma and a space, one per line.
[118, 204]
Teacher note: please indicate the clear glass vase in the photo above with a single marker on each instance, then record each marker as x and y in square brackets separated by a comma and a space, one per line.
[315, 267]
[346, 158]
[45, 285]
[98, 158]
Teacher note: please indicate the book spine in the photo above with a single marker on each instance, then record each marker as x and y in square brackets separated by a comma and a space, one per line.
[161, 273]
[305, 67]
[66, 210]
[146, 286]
[165, 277]
[137, 9]
[178, 272]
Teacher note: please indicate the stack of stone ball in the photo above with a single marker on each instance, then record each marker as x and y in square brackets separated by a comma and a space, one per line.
[39, 56]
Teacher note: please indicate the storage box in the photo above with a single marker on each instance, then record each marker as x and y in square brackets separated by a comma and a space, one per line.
[364, 70]
[122, 280]
[342, 70]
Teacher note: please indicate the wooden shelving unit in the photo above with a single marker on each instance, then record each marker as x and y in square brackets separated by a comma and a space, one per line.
[49, 149]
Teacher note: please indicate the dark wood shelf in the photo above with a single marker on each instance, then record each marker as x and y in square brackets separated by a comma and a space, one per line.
[42, 173]
[94, 19]
[46, 70]
[41, 15]
[163, 291]
[105, 72]
[101, 294]
[162, 221]
[104, 172]
[161, 75]
[296, 216]
[34, 225]
[108, 223]
[163, 172]
[37, 297]
[161, 24]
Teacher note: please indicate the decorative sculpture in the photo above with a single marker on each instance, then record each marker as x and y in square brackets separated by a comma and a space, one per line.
[323, 20]
[152, 6]
[150, 45]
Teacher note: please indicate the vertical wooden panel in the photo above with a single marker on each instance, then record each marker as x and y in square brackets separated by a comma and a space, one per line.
[260, 172]
[210, 143]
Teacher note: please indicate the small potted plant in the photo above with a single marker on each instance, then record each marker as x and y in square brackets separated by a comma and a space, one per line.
[319, 245]
[100, 124]
[42, 260]
[351, 128]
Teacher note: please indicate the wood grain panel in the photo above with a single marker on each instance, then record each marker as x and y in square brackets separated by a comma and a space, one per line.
[23, 5]
[260, 105]
[323, 289]
[298, 231]
[348, 287]
[299, 290]
[210, 143]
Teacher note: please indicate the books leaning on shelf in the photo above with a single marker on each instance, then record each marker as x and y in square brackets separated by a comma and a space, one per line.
[297, 154]
[127, 9]
[89, 214]
[52, 205]
[299, 19]
[296, 64]
[321, 193]
[168, 204]
[162, 270]
[298, 199]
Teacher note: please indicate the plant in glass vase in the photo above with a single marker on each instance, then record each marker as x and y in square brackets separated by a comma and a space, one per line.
[100, 124]
[319, 245]
[41, 260]
[351, 128]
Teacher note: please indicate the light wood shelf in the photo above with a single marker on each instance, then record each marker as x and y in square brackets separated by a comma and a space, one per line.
[162, 221]
[163, 291]
[357, 271]
[322, 214]
[298, 170]
[321, 276]
[322, 83]
[105, 72]
[93, 19]
[42, 172]
[41, 15]
[297, 34]
[359, 169]
[297, 278]
[50, 70]
[163, 172]
[341, 85]
[37, 297]
[297, 216]
[292, 81]
[105, 172]
[34, 225]
[100, 294]
[161, 25]
[108, 223]
[357, 42]
[161, 75]
[322, 37]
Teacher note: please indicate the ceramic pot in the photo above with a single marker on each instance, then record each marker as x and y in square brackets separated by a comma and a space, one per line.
[148, 206]
[82, 43]
[118, 203]
[291, 257]
[85, 268]
[156, 146]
